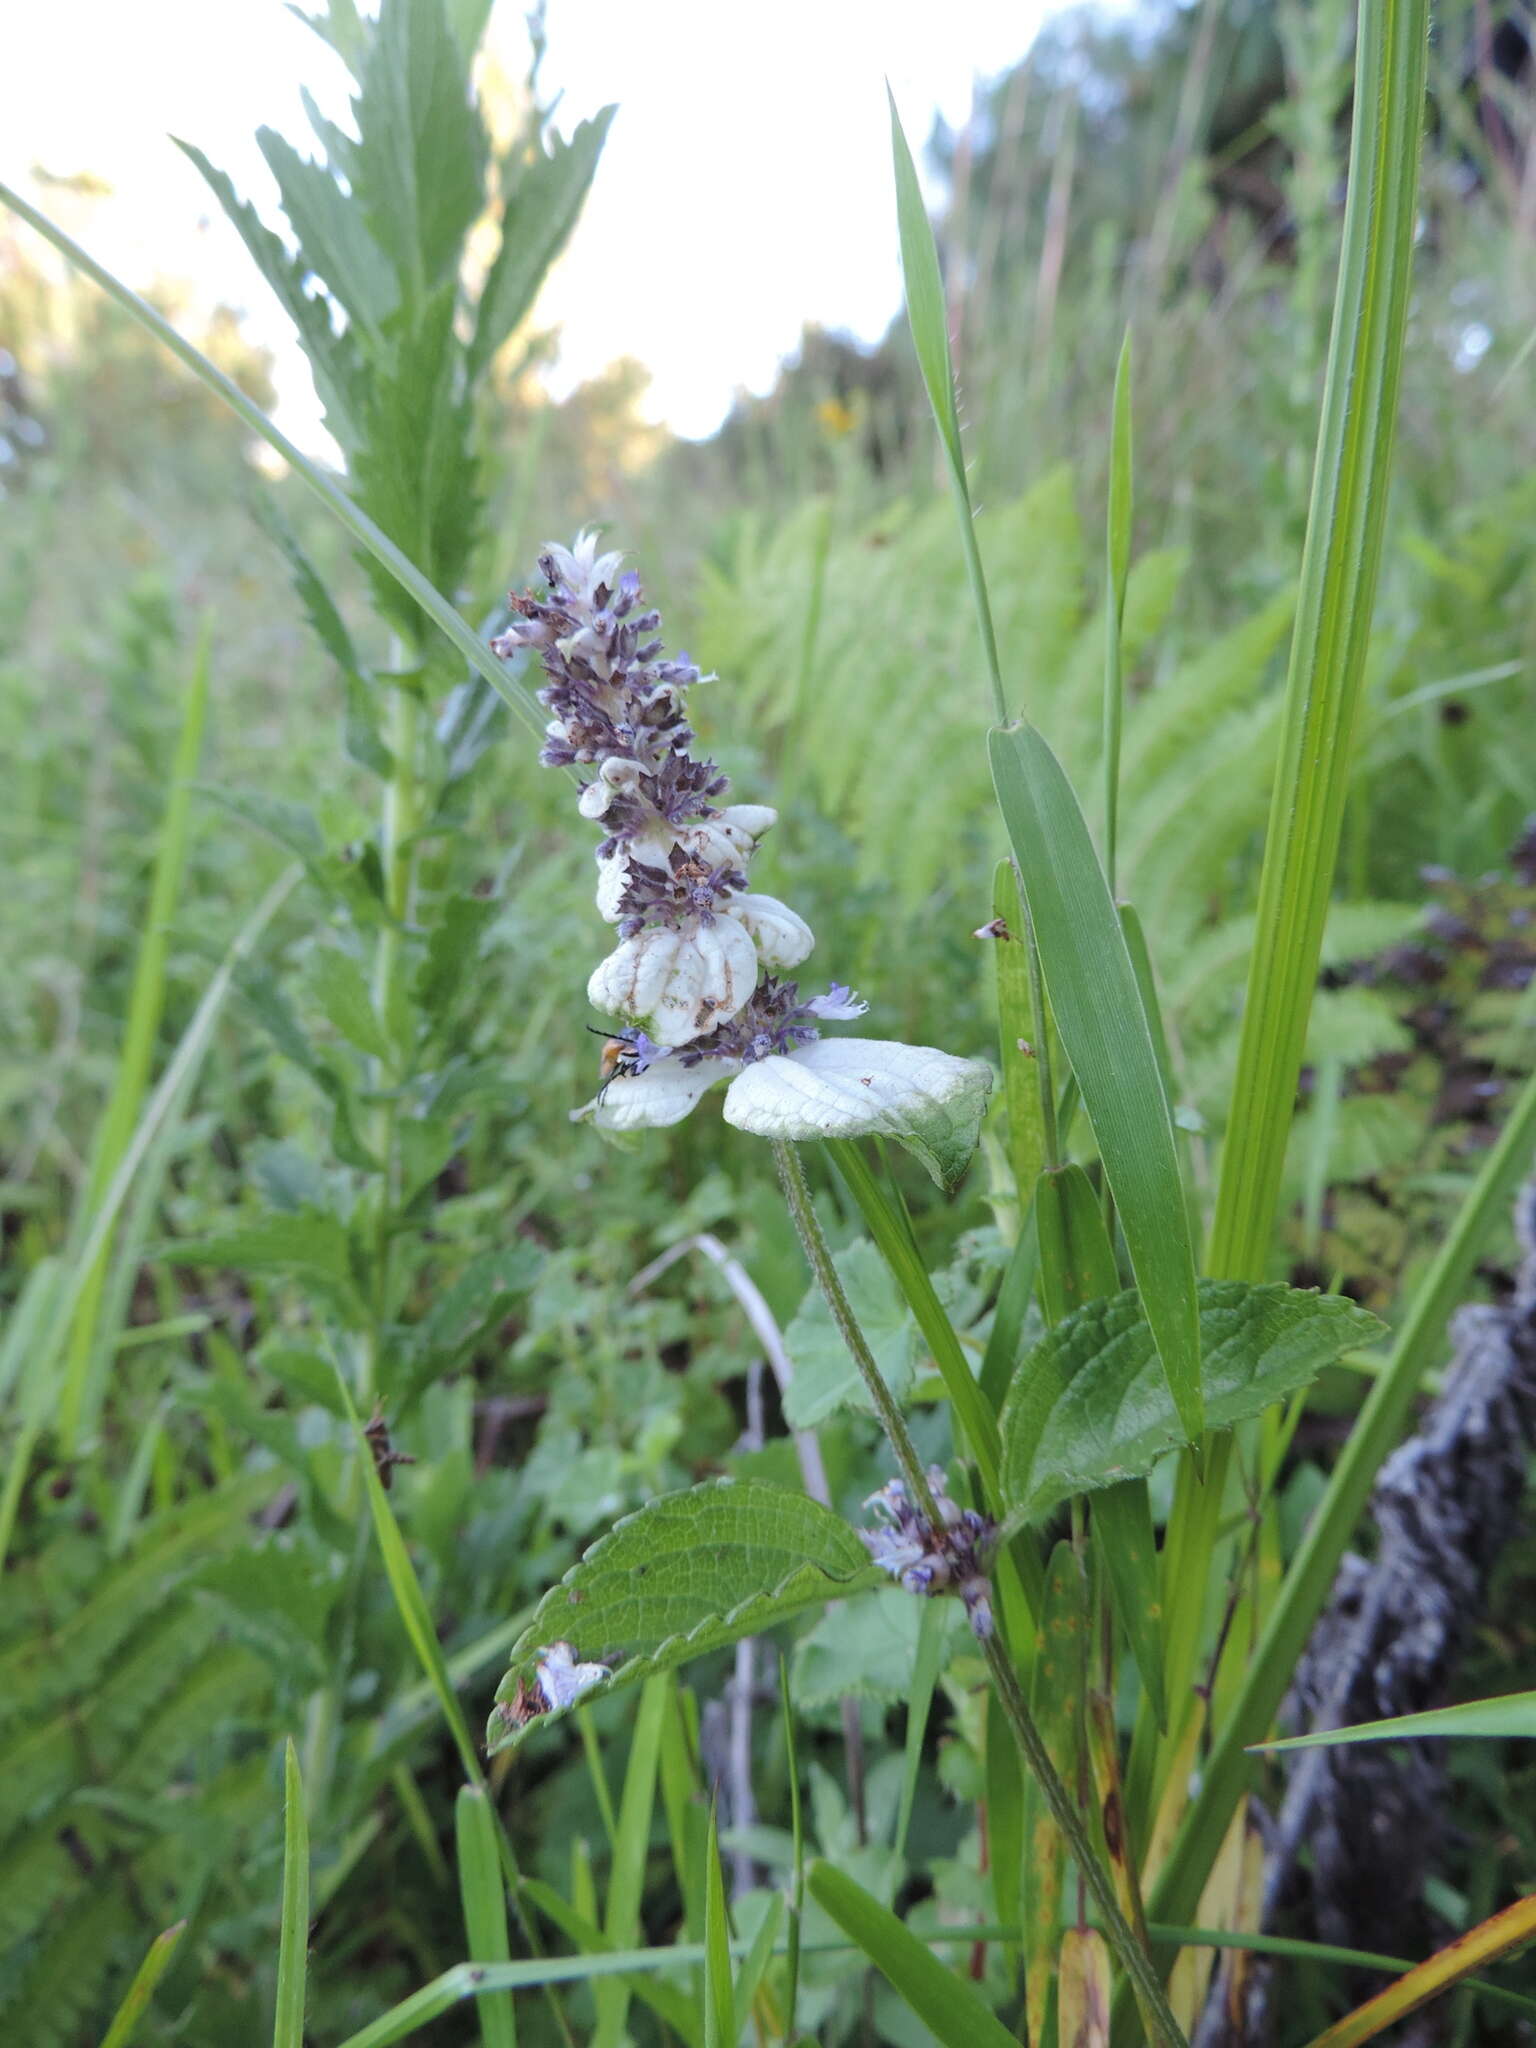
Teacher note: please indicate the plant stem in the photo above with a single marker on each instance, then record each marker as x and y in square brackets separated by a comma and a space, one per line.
[797, 1197]
[1049, 1137]
[1135, 1961]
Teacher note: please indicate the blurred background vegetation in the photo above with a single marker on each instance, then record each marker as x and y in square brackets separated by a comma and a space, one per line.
[1177, 168]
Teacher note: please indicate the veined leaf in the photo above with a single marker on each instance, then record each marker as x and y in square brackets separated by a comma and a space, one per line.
[418, 171]
[331, 233]
[1090, 1405]
[1103, 1027]
[688, 1573]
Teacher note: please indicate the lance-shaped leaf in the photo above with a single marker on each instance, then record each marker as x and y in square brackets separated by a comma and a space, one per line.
[1090, 1405]
[688, 1573]
[1103, 1027]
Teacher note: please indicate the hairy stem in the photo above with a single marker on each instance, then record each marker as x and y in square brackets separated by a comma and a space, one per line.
[797, 1197]
[1135, 1961]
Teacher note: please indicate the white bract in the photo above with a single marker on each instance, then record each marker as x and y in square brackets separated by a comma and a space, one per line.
[695, 974]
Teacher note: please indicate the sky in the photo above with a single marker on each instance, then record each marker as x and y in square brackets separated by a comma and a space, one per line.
[745, 190]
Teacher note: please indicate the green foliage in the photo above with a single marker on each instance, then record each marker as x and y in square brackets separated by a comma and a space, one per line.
[687, 1574]
[1090, 1407]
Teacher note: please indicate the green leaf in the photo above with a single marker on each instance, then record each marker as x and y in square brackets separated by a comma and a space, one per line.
[333, 358]
[719, 2002]
[1512, 1716]
[1056, 1687]
[453, 947]
[1090, 1405]
[340, 989]
[360, 732]
[483, 1898]
[543, 195]
[319, 606]
[942, 2000]
[826, 1378]
[126, 2019]
[867, 1651]
[293, 825]
[418, 171]
[415, 467]
[333, 240]
[1103, 1028]
[688, 1573]
[293, 1940]
[308, 1244]
[1015, 1028]
[1081, 1268]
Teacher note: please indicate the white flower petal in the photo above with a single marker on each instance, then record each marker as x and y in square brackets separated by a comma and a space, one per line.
[594, 799]
[662, 1095]
[679, 984]
[782, 937]
[750, 820]
[563, 1679]
[613, 871]
[860, 1087]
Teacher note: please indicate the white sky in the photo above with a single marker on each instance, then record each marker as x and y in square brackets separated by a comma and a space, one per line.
[745, 189]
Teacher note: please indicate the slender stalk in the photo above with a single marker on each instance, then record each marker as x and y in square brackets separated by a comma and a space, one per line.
[1133, 1958]
[797, 1197]
[1050, 1139]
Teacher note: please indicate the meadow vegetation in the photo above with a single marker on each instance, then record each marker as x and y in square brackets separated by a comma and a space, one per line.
[330, 1343]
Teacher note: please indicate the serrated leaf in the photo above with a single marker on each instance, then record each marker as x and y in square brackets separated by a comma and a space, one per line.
[1098, 1010]
[309, 1245]
[319, 606]
[688, 1573]
[453, 946]
[332, 235]
[360, 733]
[293, 825]
[1090, 1405]
[415, 468]
[419, 167]
[826, 1378]
[543, 196]
[340, 988]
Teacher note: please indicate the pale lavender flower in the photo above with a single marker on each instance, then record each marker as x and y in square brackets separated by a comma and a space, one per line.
[949, 1558]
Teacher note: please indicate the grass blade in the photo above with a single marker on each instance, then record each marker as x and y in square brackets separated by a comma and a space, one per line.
[930, 337]
[621, 1919]
[293, 1939]
[1117, 571]
[1485, 1944]
[485, 1908]
[1510, 1717]
[1311, 1574]
[1340, 560]
[1103, 1027]
[126, 2019]
[86, 1362]
[719, 1998]
[943, 2001]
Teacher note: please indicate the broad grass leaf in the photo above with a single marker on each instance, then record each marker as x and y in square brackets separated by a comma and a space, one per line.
[1103, 1027]
[482, 1897]
[293, 1940]
[1090, 1406]
[941, 1999]
[543, 195]
[688, 1573]
[1510, 1717]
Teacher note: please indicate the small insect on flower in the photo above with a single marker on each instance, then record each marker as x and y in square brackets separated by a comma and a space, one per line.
[624, 1055]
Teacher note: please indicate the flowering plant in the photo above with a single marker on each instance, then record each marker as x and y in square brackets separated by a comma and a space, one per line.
[697, 974]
